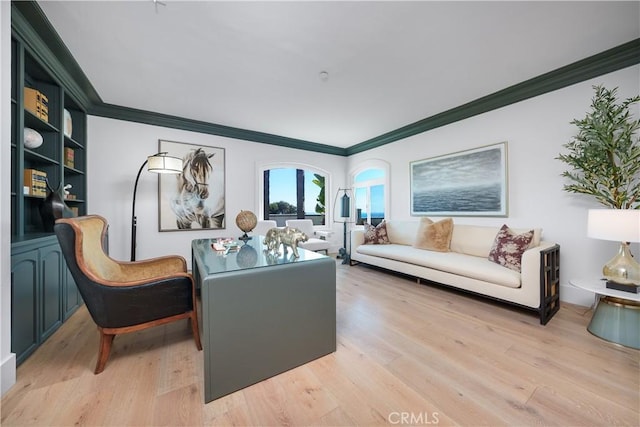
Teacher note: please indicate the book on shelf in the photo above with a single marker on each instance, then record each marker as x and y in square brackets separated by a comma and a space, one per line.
[37, 103]
[69, 157]
[35, 183]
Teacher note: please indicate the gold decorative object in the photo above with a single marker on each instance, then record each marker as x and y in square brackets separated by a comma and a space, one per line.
[287, 236]
[246, 221]
[619, 225]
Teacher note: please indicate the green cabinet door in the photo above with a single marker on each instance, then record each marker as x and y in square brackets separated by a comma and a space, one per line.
[51, 268]
[24, 304]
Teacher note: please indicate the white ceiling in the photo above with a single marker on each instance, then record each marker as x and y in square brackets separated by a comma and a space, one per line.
[256, 65]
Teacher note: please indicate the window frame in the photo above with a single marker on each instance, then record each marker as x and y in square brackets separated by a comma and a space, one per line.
[362, 167]
[328, 217]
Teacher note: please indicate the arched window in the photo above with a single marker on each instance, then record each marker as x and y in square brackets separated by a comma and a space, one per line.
[370, 193]
[294, 191]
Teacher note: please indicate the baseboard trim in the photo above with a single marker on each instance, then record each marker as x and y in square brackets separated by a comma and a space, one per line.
[573, 295]
[8, 373]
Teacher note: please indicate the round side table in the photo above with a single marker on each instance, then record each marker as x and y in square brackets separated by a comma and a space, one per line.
[616, 317]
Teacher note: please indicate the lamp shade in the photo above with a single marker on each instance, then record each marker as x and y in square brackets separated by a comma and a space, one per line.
[345, 211]
[161, 163]
[620, 225]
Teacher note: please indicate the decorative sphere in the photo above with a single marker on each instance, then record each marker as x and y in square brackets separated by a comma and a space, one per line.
[246, 221]
[247, 257]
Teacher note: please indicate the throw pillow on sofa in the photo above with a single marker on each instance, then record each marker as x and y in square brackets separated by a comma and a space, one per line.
[434, 236]
[508, 248]
[376, 235]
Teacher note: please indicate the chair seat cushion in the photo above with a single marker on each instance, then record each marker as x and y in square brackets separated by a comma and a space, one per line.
[314, 244]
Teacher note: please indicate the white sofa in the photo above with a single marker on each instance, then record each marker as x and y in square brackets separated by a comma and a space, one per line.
[466, 266]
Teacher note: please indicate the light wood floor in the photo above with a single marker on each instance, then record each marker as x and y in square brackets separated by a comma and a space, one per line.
[407, 354]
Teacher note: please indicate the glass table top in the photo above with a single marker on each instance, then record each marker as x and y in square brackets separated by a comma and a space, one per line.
[237, 255]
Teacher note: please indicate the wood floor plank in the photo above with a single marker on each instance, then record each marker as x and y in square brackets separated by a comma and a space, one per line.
[406, 351]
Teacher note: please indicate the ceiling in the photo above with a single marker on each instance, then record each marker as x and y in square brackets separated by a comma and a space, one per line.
[258, 65]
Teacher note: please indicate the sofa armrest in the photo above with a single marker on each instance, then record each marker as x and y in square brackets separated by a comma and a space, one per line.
[357, 239]
[540, 272]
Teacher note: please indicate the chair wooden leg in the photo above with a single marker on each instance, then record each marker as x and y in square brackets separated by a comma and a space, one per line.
[105, 348]
[195, 329]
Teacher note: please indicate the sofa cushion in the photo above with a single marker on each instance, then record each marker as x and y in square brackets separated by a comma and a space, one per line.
[376, 235]
[434, 236]
[478, 240]
[508, 247]
[402, 232]
[455, 263]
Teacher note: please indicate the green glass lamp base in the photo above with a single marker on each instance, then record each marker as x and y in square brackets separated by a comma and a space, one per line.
[617, 320]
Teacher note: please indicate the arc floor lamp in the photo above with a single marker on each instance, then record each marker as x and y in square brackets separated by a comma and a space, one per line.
[158, 163]
[345, 214]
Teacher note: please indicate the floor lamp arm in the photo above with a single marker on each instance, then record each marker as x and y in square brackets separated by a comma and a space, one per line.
[134, 222]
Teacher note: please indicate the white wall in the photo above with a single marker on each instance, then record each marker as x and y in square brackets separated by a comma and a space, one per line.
[535, 130]
[117, 148]
[7, 359]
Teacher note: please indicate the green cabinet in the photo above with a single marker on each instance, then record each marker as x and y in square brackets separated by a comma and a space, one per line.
[42, 110]
[37, 272]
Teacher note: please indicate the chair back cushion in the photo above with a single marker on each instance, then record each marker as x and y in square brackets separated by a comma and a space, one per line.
[304, 225]
[115, 299]
[263, 226]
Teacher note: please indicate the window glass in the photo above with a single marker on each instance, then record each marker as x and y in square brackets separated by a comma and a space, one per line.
[294, 194]
[361, 205]
[369, 174]
[370, 196]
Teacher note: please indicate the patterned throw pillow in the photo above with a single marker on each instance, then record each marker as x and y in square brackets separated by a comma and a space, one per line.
[376, 235]
[508, 248]
[434, 236]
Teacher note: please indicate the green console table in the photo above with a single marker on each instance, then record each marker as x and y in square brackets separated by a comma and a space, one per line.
[261, 314]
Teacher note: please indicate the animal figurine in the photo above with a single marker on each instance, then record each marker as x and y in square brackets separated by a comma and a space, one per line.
[54, 207]
[287, 237]
[272, 241]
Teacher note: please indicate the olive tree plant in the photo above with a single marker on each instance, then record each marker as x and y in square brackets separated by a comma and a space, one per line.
[605, 154]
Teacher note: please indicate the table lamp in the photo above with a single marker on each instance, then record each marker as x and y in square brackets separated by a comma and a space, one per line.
[622, 225]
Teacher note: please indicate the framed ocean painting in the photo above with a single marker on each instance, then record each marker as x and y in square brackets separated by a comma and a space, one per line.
[465, 183]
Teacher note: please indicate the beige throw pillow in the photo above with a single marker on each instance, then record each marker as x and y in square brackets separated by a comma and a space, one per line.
[434, 236]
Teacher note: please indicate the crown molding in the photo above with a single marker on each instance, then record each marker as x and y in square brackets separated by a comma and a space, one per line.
[165, 120]
[617, 58]
[32, 26]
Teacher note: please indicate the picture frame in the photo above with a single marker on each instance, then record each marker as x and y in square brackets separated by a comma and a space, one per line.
[195, 198]
[465, 183]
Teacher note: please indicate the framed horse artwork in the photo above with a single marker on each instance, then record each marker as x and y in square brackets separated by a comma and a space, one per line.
[193, 199]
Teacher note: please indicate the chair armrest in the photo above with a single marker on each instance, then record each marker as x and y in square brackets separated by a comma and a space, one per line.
[324, 234]
[152, 269]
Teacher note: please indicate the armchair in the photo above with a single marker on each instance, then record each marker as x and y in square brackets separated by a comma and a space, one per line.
[263, 226]
[313, 244]
[124, 297]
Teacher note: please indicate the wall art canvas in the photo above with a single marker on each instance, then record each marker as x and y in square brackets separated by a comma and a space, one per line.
[466, 183]
[193, 199]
